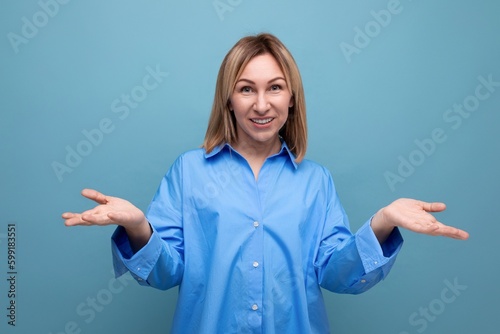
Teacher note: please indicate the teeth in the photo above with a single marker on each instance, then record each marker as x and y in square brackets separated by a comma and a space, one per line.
[262, 121]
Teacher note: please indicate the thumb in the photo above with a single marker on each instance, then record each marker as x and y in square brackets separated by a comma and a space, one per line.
[118, 217]
[433, 206]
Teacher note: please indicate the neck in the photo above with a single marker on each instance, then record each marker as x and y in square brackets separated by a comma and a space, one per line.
[258, 151]
[256, 154]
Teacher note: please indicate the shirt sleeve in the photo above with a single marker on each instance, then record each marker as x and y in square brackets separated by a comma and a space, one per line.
[160, 263]
[352, 263]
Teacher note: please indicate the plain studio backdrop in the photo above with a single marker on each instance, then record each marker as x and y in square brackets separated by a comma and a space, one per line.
[403, 101]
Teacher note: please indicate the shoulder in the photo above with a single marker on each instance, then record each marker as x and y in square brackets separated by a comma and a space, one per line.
[191, 158]
[197, 159]
[194, 154]
[309, 166]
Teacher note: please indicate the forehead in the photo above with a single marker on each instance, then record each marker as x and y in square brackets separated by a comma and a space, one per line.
[262, 66]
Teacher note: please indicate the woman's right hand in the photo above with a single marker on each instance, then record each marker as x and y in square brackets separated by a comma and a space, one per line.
[111, 210]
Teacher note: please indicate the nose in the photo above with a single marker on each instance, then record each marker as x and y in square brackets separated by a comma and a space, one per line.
[261, 104]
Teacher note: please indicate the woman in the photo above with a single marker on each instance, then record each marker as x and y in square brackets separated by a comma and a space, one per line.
[248, 228]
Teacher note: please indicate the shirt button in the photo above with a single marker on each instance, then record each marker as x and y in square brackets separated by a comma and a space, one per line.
[363, 281]
[255, 307]
[376, 262]
[255, 224]
[255, 264]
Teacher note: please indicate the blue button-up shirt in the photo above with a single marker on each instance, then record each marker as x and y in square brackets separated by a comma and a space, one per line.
[251, 256]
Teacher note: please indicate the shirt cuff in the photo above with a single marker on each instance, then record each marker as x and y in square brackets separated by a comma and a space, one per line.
[372, 253]
[141, 263]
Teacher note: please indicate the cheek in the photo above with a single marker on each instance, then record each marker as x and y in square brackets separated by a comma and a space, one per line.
[237, 104]
[285, 105]
[284, 101]
[238, 111]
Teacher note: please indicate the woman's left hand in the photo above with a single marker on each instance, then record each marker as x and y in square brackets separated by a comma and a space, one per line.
[413, 215]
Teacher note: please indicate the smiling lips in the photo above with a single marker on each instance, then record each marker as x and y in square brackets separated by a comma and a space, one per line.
[261, 121]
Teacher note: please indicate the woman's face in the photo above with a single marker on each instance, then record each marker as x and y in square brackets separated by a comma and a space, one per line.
[260, 102]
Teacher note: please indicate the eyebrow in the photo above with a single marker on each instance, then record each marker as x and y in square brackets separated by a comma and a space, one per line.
[251, 82]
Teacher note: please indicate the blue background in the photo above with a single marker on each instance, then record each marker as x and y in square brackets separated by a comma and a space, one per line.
[365, 112]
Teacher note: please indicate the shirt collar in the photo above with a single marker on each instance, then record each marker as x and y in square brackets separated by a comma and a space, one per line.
[284, 150]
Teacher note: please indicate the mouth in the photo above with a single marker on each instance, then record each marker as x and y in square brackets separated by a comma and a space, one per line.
[261, 121]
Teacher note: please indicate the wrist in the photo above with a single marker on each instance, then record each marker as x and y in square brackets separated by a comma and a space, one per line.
[139, 229]
[380, 226]
[139, 235]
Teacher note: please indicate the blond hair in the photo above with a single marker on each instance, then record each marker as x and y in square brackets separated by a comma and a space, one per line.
[222, 123]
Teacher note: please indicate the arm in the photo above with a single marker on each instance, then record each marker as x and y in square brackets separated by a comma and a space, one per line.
[136, 247]
[150, 249]
[352, 263]
[358, 262]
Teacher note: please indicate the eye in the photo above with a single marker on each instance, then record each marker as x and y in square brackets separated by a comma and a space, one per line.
[275, 88]
[246, 89]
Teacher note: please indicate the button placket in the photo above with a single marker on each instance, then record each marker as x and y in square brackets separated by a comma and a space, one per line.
[254, 260]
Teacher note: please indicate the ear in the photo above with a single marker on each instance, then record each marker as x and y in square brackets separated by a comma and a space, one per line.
[292, 100]
[230, 105]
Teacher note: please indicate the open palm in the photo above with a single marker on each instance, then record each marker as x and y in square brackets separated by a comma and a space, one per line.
[111, 210]
[416, 216]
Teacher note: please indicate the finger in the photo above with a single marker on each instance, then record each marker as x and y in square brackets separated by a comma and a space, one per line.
[88, 220]
[74, 221]
[68, 215]
[433, 206]
[71, 219]
[428, 228]
[453, 232]
[460, 234]
[439, 229]
[96, 219]
[95, 196]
